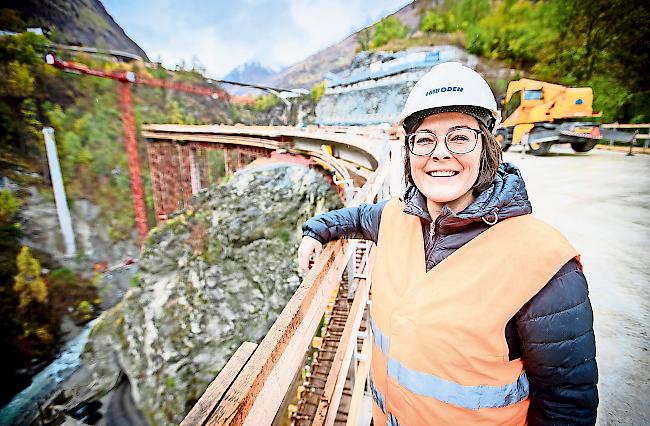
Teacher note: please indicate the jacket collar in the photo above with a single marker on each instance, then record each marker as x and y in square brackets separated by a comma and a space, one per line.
[505, 198]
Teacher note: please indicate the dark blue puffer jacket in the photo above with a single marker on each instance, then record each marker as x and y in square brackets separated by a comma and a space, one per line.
[552, 333]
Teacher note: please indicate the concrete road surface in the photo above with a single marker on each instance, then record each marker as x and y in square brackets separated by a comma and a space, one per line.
[601, 201]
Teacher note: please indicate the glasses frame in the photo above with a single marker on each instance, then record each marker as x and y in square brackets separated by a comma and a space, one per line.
[409, 138]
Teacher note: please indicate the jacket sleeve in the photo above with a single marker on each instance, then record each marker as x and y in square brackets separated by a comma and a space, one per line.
[353, 222]
[555, 329]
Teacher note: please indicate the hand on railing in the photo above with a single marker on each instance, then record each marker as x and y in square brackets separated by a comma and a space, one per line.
[308, 247]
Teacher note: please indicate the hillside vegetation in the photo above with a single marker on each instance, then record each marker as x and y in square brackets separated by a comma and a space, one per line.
[84, 111]
[596, 43]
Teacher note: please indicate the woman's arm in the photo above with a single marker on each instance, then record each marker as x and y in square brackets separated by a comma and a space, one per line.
[555, 329]
[354, 222]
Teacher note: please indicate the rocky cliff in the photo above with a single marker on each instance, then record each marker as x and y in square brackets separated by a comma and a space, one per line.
[210, 278]
[84, 22]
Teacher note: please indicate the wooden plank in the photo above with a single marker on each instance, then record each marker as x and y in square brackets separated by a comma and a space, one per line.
[212, 396]
[329, 403]
[371, 188]
[363, 368]
[270, 397]
[328, 406]
[298, 320]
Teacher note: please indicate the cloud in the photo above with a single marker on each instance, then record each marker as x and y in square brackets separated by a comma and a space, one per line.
[225, 34]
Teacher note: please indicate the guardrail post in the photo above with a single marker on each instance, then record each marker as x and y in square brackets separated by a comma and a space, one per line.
[632, 143]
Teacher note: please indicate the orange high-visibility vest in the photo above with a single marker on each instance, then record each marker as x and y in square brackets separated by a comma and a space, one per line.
[439, 353]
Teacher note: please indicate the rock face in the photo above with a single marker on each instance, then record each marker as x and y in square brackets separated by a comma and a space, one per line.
[78, 21]
[302, 112]
[94, 245]
[374, 89]
[211, 278]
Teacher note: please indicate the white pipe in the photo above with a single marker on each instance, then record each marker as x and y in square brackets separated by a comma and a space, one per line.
[59, 192]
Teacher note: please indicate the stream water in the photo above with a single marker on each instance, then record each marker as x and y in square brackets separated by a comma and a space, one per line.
[24, 405]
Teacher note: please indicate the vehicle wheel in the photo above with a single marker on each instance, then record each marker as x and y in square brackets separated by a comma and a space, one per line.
[502, 139]
[583, 147]
[539, 148]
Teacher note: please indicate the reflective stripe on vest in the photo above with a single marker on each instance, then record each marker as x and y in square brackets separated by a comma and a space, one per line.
[377, 396]
[380, 339]
[470, 397]
[392, 421]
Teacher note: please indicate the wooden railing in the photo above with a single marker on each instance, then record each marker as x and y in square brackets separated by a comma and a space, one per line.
[253, 384]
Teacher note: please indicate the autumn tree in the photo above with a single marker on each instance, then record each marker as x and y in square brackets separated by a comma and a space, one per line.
[28, 283]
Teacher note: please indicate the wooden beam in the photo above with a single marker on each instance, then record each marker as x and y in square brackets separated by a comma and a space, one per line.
[259, 389]
[363, 368]
[371, 188]
[212, 396]
[329, 403]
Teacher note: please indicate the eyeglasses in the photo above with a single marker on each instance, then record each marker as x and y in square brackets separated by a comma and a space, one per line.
[458, 140]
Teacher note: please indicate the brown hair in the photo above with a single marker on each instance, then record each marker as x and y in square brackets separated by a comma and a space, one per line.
[489, 163]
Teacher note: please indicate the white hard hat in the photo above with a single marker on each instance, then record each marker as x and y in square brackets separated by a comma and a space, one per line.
[451, 86]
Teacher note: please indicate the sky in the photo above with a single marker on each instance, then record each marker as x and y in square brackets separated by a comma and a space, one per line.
[223, 34]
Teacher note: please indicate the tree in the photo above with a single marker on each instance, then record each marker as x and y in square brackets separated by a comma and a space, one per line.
[468, 12]
[432, 22]
[363, 38]
[28, 284]
[317, 91]
[389, 28]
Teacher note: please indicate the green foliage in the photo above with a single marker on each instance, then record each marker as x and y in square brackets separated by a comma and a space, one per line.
[432, 22]
[266, 102]
[85, 113]
[170, 383]
[9, 206]
[317, 91]
[389, 28]
[284, 235]
[364, 38]
[135, 280]
[18, 82]
[514, 31]
[86, 309]
[466, 13]
[576, 43]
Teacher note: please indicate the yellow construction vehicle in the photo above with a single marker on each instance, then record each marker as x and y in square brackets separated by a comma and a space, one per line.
[539, 114]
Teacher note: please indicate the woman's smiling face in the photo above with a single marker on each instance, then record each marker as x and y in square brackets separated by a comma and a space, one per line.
[444, 177]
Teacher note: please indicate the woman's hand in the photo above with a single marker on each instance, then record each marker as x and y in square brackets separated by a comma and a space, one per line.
[308, 247]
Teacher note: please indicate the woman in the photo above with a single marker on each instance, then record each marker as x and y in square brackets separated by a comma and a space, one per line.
[480, 313]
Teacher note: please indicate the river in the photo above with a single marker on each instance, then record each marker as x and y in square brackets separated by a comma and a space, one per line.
[25, 405]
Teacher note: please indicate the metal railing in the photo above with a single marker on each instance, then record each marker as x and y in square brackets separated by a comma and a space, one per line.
[633, 137]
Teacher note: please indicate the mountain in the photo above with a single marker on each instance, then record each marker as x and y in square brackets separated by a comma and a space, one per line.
[339, 56]
[84, 22]
[250, 72]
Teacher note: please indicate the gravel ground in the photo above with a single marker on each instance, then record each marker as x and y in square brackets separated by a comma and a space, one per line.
[601, 201]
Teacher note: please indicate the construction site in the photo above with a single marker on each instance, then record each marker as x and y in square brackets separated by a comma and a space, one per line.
[153, 218]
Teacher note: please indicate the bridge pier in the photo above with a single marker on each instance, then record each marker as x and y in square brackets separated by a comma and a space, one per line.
[179, 170]
[185, 175]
